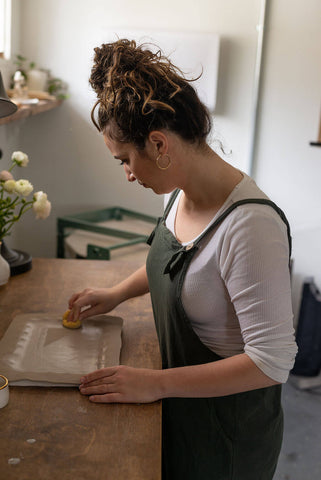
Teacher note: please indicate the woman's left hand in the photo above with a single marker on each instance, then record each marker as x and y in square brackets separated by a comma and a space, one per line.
[122, 384]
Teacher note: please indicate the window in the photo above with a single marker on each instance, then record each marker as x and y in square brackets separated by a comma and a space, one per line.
[5, 28]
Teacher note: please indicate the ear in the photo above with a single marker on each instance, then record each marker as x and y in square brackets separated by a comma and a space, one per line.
[159, 141]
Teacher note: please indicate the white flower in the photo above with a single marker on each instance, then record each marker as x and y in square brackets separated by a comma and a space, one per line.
[12, 202]
[41, 206]
[5, 175]
[9, 186]
[23, 187]
[20, 158]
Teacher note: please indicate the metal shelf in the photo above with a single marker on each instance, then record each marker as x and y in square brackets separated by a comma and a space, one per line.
[116, 227]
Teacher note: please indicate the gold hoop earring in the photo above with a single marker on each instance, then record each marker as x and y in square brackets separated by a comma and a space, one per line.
[161, 167]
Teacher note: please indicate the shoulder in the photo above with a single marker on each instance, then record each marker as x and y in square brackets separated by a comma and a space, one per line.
[254, 216]
[253, 234]
[253, 225]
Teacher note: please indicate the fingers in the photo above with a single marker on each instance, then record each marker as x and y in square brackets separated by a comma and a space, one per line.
[86, 312]
[100, 386]
[80, 299]
[72, 300]
[89, 312]
[97, 375]
[103, 393]
[122, 384]
[97, 383]
[99, 389]
[80, 305]
[91, 302]
[108, 398]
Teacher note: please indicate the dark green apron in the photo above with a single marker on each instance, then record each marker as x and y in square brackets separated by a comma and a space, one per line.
[236, 437]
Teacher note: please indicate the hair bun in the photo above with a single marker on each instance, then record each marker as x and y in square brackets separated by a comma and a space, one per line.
[139, 90]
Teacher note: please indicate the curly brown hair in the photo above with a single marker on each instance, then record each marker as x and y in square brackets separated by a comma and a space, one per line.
[139, 91]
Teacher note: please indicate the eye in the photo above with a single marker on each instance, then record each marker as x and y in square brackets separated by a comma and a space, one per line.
[122, 162]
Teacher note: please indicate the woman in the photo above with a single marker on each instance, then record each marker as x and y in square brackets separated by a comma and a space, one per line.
[220, 287]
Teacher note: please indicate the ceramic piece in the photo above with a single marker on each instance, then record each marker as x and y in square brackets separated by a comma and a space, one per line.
[4, 270]
[37, 349]
[4, 391]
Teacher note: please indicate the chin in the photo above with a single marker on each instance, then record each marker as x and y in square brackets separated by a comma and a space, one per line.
[160, 190]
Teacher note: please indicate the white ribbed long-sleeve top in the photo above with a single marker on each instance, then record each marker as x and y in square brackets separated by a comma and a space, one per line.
[237, 291]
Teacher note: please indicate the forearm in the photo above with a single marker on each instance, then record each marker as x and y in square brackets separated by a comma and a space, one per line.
[94, 301]
[127, 384]
[133, 286]
[223, 377]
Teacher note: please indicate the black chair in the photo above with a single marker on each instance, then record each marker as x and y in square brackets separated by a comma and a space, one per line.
[308, 334]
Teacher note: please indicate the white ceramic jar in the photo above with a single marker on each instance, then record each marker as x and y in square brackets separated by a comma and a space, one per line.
[37, 80]
[4, 391]
[4, 270]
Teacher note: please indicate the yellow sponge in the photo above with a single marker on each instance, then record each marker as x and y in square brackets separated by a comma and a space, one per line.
[69, 324]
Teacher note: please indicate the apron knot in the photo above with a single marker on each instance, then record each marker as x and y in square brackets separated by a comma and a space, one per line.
[178, 258]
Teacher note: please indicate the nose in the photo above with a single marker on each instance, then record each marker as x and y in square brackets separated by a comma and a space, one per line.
[129, 175]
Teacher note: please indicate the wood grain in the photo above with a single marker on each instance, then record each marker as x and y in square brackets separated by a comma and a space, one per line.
[75, 438]
[25, 111]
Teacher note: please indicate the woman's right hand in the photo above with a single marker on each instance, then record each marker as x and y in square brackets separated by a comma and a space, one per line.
[95, 301]
[92, 301]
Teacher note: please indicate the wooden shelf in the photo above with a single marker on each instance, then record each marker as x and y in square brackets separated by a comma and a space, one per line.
[25, 111]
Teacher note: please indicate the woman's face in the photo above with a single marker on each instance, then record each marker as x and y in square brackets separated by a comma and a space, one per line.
[139, 165]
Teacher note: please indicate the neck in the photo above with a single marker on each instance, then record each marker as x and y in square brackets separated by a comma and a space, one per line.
[207, 179]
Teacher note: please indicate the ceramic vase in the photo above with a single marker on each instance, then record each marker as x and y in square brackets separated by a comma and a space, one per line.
[4, 270]
[37, 80]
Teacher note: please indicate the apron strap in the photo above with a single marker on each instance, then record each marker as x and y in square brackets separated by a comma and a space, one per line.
[170, 203]
[180, 256]
[163, 218]
[262, 201]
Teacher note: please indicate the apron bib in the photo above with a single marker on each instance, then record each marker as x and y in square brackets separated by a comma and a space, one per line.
[236, 437]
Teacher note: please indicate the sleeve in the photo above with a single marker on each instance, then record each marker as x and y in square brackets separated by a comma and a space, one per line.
[254, 263]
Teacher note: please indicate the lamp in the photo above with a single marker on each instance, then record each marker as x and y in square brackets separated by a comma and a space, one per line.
[19, 262]
[7, 107]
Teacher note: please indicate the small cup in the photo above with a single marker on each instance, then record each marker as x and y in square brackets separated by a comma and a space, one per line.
[4, 391]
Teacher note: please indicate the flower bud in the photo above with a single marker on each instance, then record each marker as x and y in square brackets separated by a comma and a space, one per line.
[5, 175]
[9, 186]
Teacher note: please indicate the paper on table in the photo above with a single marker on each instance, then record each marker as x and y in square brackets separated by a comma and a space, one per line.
[37, 350]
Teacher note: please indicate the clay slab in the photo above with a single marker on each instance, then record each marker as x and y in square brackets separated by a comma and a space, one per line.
[37, 350]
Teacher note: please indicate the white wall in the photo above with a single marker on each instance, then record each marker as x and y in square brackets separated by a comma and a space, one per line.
[68, 158]
[287, 167]
[10, 135]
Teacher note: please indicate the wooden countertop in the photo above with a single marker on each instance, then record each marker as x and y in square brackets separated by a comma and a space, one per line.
[75, 438]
